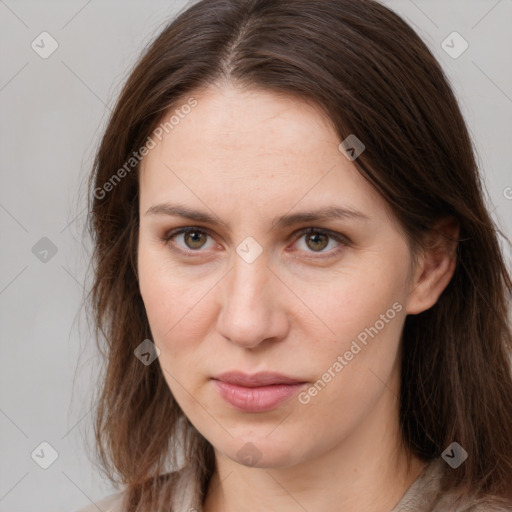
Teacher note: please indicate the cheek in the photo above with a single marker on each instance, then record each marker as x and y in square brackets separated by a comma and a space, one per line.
[345, 303]
[364, 309]
[168, 307]
[180, 313]
[169, 294]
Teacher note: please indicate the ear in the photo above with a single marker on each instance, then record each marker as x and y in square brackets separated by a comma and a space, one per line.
[435, 266]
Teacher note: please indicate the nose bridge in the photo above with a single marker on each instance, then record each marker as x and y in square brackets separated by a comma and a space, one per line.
[248, 288]
[249, 312]
[250, 276]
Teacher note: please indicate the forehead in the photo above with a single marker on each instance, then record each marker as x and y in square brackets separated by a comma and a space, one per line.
[230, 121]
[253, 147]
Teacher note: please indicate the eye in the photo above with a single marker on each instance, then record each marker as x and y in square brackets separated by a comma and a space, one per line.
[315, 240]
[193, 239]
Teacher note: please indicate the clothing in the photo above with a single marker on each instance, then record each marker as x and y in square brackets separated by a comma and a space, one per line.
[422, 496]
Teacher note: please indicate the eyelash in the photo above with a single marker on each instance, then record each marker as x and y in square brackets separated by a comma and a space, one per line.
[338, 237]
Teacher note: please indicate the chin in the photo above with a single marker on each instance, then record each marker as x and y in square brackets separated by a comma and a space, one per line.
[262, 452]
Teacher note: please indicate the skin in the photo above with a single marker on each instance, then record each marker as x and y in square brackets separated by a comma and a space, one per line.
[247, 157]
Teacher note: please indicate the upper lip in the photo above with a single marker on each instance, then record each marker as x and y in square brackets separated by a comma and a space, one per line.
[257, 379]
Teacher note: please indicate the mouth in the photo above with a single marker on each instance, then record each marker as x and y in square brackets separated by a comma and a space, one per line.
[259, 392]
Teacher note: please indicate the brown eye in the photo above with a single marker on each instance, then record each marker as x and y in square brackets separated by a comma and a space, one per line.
[317, 241]
[189, 240]
[324, 243]
[195, 239]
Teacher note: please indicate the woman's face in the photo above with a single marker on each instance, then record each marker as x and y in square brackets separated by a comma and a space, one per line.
[248, 289]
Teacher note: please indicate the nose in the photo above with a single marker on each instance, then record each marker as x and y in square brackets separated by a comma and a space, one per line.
[252, 305]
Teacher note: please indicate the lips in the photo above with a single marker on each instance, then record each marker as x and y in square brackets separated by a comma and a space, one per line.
[256, 393]
[257, 379]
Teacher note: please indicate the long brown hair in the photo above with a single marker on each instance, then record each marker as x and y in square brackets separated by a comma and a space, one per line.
[372, 76]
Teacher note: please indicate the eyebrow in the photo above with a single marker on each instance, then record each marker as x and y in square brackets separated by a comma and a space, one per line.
[283, 221]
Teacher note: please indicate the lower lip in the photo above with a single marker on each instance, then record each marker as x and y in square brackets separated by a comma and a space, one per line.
[258, 399]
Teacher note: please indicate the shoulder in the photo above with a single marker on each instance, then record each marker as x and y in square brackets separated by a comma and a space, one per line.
[494, 507]
[112, 503]
[186, 494]
[426, 495]
[489, 504]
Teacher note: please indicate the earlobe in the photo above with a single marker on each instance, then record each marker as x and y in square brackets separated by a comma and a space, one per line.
[435, 267]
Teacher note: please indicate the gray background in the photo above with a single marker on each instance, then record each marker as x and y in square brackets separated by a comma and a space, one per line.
[53, 111]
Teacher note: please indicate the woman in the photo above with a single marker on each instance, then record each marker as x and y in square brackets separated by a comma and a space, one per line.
[301, 291]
